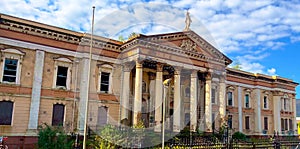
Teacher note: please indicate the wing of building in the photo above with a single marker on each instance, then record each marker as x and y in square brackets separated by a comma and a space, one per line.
[44, 75]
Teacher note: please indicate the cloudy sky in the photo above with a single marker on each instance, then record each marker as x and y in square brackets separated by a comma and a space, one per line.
[263, 36]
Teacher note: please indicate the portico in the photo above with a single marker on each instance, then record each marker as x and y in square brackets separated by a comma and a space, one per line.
[193, 66]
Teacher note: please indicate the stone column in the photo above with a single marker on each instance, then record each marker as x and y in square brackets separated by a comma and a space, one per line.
[83, 94]
[177, 120]
[36, 89]
[137, 103]
[193, 102]
[158, 97]
[126, 91]
[240, 109]
[208, 106]
[222, 96]
[276, 113]
[294, 116]
[258, 112]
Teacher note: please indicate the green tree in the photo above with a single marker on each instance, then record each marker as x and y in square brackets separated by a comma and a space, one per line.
[53, 138]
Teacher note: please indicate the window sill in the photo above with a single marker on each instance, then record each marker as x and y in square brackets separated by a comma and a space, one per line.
[61, 88]
[10, 84]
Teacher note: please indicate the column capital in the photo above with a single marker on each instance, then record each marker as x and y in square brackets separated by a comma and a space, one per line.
[139, 63]
[177, 70]
[159, 67]
[208, 76]
[128, 66]
[194, 74]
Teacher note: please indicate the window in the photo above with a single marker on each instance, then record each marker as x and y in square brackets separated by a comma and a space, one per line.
[266, 126]
[229, 99]
[11, 66]
[6, 112]
[247, 101]
[62, 74]
[105, 78]
[213, 95]
[285, 124]
[230, 121]
[285, 105]
[282, 124]
[10, 70]
[213, 121]
[266, 102]
[58, 115]
[247, 122]
[104, 83]
[102, 116]
[291, 124]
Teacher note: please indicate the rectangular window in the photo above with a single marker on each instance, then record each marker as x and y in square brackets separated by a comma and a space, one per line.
[102, 116]
[104, 85]
[230, 121]
[213, 121]
[285, 104]
[62, 74]
[6, 112]
[291, 124]
[10, 70]
[266, 126]
[285, 124]
[229, 99]
[247, 122]
[265, 102]
[213, 95]
[247, 102]
[282, 124]
[58, 115]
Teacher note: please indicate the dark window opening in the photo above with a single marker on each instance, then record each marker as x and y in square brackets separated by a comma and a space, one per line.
[6, 112]
[10, 70]
[291, 124]
[104, 86]
[62, 74]
[58, 115]
[213, 121]
[247, 102]
[265, 102]
[229, 98]
[266, 127]
[247, 122]
[230, 121]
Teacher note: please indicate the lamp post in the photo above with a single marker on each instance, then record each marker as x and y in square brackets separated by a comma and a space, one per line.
[166, 85]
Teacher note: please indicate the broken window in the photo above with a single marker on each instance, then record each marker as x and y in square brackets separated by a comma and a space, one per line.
[104, 85]
[10, 70]
[62, 74]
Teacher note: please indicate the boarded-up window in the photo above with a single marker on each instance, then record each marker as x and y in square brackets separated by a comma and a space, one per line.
[6, 111]
[62, 74]
[247, 122]
[58, 115]
[104, 86]
[10, 70]
[102, 116]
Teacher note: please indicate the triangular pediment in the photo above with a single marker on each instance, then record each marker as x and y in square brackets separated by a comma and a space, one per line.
[190, 44]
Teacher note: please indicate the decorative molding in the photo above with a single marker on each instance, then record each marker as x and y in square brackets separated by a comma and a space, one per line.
[188, 45]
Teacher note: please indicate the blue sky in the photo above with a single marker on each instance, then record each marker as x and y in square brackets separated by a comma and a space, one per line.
[262, 35]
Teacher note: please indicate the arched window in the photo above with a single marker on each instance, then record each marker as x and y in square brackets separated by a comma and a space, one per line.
[6, 112]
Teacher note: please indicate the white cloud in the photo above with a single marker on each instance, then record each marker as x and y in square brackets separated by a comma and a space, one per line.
[272, 71]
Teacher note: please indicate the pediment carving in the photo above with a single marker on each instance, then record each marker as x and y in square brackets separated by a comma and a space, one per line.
[188, 45]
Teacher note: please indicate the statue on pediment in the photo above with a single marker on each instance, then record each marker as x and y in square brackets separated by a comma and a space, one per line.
[188, 21]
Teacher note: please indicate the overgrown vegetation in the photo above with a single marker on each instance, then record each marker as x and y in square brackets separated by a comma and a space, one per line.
[53, 138]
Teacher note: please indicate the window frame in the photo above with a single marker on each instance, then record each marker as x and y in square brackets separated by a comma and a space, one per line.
[62, 62]
[267, 102]
[107, 69]
[64, 114]
[15, 55]
[245, 103]
[232, 99]
[247, 122]
[12, 113]
[214, 91]
[266, 123]
[229, 121]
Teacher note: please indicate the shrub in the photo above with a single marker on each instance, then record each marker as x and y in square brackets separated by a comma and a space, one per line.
[239, 136]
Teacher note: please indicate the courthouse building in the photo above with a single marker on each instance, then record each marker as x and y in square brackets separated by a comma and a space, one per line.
[44, 76]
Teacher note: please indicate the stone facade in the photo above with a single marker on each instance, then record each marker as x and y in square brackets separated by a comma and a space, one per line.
[126, 80]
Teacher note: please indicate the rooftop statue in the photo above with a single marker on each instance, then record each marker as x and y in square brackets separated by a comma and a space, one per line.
[188, 21]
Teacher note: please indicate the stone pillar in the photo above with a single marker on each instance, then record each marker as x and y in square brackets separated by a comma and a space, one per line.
[36, 89]
[276, 113]
[208, 106]
[158, 97]
[294, 116]
[177, 120]
[193, 102]
[83, 94]
[126, 91]
[222, 96]
[240, 109]
[137, 103]
[258, 112]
